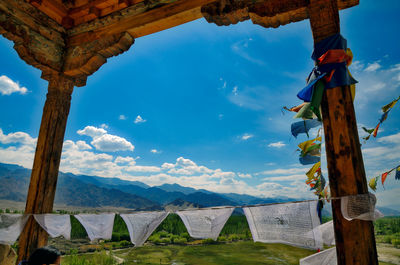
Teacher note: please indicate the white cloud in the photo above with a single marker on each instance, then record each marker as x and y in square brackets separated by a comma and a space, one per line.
[139, 120]
[277, 144]
[155, 151]
[103, 141]
[125, 160]
[112, 143]
[241, 48]
[8, 86]
[242, 175]
[137, 168]
[372, 67]
[21, 151]
[253, 98]
[104, 126]
[287, 178]
[17, 137]
[246, 136]
[78, 158]
[283, 171]
[122, 117]
[92, 131]
[375, 82]
[394, 139]
[79, 145]
[167, 166]
[356, 66]
[82, 145]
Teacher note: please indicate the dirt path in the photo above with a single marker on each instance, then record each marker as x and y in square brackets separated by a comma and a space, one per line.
[387, 253]
[118, 259]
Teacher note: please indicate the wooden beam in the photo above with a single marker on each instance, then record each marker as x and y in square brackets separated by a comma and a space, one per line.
[76, 11]
[42, 187]
[54, 9]
[355, 240]
[266, 13]
[137, 16]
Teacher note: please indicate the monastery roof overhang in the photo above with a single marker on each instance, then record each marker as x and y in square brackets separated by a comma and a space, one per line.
[75, 37]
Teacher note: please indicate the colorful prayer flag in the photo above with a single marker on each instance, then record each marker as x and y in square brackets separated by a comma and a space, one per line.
[373, 182]
[390, 105]
[304, 126]
[305, 146]
[397, 176]
[309, 159]
[310, 174]
[376, 130]
[384, 116]
[384, 176]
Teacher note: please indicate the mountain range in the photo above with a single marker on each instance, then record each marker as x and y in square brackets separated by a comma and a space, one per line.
[96, 192]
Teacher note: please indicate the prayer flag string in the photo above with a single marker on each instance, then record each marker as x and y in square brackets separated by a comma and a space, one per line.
[385, 109]
[373, 182]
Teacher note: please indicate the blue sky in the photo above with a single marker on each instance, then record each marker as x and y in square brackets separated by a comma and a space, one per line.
[200, 105]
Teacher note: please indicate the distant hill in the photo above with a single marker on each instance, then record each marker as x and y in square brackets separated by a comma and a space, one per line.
[180, 204]
[70, 191]
[327, 211]
[93, 191]
[388, 211]
[175, 187]
[105, 182]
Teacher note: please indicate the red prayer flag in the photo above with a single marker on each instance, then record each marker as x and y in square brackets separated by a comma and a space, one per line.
[383, 178]
[376, 130]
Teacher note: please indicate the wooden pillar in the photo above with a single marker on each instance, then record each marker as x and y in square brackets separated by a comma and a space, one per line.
[355, 240]
[44, 175]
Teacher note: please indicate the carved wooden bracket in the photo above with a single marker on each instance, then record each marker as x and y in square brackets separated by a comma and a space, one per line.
[42, 43]
[85, 59]
[37, 39]
[266, 13]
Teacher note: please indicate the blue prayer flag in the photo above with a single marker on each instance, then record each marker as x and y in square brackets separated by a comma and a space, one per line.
[309, 160]
[304, 126]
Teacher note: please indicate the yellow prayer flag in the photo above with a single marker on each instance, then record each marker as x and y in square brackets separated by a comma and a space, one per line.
[310, 174]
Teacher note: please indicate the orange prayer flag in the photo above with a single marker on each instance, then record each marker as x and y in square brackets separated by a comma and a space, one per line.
[376, 130]
[384, 175]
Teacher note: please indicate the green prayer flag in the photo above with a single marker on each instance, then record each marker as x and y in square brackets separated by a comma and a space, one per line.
[316, 98]
[305, 112]
[369, 131]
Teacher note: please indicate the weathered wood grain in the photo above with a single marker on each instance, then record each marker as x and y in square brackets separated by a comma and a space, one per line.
[85, 59]
[266, 13]
[38, 40]
[46, 163]
[137, 16]
[355, 240]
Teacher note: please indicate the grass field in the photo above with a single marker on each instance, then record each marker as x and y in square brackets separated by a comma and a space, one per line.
[243, 252]
[234, 246]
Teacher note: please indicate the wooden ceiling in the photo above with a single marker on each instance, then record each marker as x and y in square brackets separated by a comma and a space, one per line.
[70, 13]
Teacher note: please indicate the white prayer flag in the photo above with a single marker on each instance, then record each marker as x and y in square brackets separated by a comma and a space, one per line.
[327, 232]
[11, 226]
[287, 223]
[326, 257]
[55, 225]
[361, 206]
[97, 225]
[205, 223]
[142, 225]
